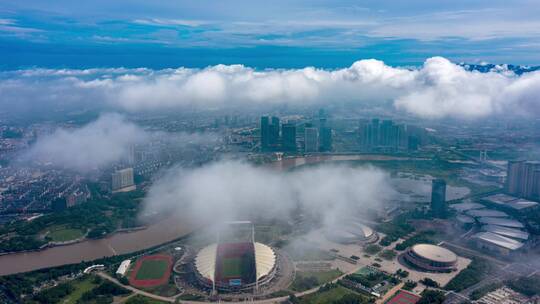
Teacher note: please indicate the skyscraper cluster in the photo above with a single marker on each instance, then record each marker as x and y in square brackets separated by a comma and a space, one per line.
[523, 179]
[276, 137]
[387, 135]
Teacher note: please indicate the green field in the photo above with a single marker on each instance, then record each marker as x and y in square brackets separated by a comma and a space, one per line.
[329, 296]
[232, 267]
[62, 234]
[80, 288]
[305, 280]
[152, 269]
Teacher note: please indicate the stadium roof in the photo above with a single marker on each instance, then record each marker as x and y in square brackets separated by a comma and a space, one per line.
[501, 222]
[486, 213]
[508, 232]
[498, 240]
[205, 262]
[434, 253]
[362, 229]
[265, 259]
[466, 206]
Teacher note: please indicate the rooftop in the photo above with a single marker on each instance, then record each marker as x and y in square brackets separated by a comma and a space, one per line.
[466, 206]
[505, 231]
[510, 201]
[501, 222]
[434, 253]
[498, 240]
[486, 213]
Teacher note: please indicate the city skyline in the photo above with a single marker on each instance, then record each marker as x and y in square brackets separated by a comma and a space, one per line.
[279, 152]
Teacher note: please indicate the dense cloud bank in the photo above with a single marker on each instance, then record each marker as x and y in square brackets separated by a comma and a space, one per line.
[100, 143]
[96, 144]
[231, 190]
[437, 89]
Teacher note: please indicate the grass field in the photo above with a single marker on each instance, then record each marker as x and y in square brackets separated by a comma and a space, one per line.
[80, 288]
[328, 296]
[63, 234]
[152, 270]
[232, 267]
[308, 279]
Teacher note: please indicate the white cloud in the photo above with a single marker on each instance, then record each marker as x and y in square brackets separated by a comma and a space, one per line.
[96, 144]
[437, 89]
[231, 190]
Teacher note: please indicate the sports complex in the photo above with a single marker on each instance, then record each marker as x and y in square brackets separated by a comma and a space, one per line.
[433, 258]
[151, 271]
[235, 264]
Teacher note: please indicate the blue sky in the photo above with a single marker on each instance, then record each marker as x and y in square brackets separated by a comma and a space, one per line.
[277, 34]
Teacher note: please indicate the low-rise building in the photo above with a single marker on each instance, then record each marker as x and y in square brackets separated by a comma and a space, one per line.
[123, 268]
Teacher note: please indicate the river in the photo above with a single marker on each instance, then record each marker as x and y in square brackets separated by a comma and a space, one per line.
[126, 242]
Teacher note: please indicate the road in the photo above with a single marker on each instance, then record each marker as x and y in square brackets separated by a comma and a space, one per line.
[173, 299]
[135, 290]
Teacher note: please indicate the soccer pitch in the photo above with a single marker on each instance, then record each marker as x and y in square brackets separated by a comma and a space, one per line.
[152, 270]
[232, 267]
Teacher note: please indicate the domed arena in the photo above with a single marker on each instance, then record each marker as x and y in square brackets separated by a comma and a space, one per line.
[351, 232]
[235, 266]
[431, 258]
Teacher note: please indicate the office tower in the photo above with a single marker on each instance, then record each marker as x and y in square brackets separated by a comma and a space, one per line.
[122, 180]
[438, 198]
[402, 139]
[374, 132]
[385, 130]
[523, 179]
[362, 132]
[326, 139]
[289, 137]
[131, 155]
[274, 134]
[412, 143]
[265, 133]
[311, 139]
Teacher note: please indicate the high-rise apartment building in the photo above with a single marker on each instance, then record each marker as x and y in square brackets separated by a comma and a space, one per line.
[387, 135]
[523, 179]
[123, 181]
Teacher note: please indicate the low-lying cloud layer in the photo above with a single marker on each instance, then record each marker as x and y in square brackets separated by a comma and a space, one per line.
[437, 89]
[96, 144]
[101, 143]
[231, 190]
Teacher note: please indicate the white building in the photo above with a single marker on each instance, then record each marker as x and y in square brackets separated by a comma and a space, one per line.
[503, 295]
[123, 268]
[122, 180]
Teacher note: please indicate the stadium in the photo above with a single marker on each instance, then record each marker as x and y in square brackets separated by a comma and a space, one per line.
[235, 264]
[351, 232]
[431, 258]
